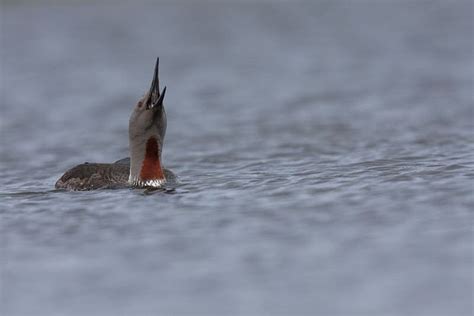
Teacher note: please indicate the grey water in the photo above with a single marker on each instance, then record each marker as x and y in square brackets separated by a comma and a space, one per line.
[324, 150]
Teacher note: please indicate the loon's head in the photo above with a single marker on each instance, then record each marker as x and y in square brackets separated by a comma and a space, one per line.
[146, 133]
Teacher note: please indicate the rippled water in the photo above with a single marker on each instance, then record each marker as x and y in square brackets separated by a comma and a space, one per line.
[325, 153]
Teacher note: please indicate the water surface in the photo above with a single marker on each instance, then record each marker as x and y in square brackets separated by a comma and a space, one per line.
[325, 153]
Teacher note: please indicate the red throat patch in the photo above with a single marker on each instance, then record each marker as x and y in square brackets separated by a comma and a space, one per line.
[151, 167]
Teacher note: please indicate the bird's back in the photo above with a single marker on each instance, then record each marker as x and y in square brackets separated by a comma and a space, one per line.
[91, 176]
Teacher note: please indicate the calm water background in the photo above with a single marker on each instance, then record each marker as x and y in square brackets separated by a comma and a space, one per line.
[325, 152]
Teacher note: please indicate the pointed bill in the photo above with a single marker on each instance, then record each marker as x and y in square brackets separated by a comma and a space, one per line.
[154, 92]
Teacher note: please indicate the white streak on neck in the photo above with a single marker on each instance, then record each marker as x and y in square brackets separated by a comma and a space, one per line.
[158, 183]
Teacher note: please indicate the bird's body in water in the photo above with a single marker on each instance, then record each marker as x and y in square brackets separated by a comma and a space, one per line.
[146, 131]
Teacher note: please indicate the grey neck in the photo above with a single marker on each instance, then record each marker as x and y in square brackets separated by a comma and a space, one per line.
[137, 157]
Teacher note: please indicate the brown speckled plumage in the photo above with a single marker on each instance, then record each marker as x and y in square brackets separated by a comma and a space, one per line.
[91, 176]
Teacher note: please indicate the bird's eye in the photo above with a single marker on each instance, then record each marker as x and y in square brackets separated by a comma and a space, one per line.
[140, 103]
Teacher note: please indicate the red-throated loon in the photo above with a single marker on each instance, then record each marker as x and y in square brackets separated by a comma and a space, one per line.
[146, 133]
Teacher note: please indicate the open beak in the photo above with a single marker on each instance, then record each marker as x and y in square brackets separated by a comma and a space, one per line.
[155, 98]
